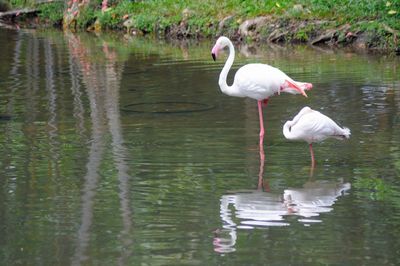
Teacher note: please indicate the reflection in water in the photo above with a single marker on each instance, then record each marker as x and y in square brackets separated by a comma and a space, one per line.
[67, 185]
[14, 75]
[102, 83]
[32, 83]
[113, 72]
[261, 208]
[376, 105]
[313, 198]
[52, 102]
[78, 109]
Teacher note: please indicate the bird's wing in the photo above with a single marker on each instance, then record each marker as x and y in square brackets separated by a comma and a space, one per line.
[314, 126]
[302, 112]
[259, 80]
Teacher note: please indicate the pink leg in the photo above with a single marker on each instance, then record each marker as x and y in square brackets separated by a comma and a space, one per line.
[260, 115]
[312, 156]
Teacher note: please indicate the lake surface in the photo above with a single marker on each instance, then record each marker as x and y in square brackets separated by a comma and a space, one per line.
[119, 151]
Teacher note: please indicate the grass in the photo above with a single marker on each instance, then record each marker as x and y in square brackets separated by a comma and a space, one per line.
[353, 11]
[157, 16]
[203, 14]
[53, 12]
[147, 13]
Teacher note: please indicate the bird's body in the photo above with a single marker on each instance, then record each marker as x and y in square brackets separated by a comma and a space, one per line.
[312, 126]
[265, 81]
[256, 81]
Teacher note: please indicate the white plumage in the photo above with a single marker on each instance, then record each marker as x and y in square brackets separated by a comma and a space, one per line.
[312, 126]
[256, 81]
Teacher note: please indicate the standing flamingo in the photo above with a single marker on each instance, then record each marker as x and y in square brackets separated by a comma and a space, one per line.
[256, 81]
[312, 126]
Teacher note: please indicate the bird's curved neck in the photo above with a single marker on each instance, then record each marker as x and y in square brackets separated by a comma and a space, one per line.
[229, 90]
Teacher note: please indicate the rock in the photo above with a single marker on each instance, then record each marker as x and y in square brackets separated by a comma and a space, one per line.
[344, 35]
[69, 21]
[223, 25]
[390, 30]
[228, 27]
[362, 41]
[298, 8]
[297, 11]
[277, 35]
[180, 31]
[251, 27]
[344, 28]
[97, 26]
[325, 37]
[350, 37]
[128, 24]
[187, 13]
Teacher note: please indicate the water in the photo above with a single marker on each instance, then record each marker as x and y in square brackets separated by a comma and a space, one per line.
[121, 151]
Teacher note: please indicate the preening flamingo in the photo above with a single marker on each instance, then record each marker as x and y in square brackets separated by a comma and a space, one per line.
[312, 126]
[256, 81]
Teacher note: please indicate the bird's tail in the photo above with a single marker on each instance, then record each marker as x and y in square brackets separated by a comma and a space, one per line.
[346, 133]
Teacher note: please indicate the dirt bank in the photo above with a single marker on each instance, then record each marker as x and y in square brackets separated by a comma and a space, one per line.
[259, 29]
[312, 32]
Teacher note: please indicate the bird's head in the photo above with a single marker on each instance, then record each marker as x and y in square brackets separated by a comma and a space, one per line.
[221, 43]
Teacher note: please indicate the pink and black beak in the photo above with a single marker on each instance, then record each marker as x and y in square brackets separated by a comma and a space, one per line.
[214, 52]
[300, 88]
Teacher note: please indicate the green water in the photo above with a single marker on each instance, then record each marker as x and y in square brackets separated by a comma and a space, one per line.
[119, 151]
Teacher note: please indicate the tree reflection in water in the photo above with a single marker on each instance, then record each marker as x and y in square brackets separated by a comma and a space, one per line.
[102, 82]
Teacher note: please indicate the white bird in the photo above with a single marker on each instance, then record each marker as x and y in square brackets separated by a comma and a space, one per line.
[256, 81]
[312, 126]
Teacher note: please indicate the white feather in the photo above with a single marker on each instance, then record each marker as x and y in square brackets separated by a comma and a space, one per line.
[312, 126]
[256, 81]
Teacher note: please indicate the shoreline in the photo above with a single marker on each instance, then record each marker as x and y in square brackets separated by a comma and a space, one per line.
[260, 29]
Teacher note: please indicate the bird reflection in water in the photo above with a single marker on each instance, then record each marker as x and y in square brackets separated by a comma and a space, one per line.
[259, 208]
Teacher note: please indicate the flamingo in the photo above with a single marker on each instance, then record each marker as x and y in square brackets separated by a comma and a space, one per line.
[256, 81]
[312, 126]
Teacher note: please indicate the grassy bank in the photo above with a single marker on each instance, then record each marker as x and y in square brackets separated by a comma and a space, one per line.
[185, 18]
